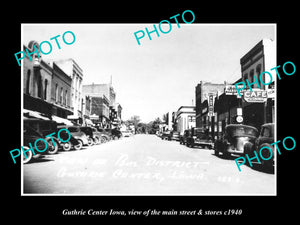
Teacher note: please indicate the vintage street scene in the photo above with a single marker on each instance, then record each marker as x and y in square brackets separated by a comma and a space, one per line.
[192, 112]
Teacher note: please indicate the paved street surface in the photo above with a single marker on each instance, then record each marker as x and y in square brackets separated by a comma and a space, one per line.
[143, 165]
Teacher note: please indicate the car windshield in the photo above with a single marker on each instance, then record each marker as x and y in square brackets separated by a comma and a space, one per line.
[201, 135]
[30, 131]
[73, 129]
[241, 130]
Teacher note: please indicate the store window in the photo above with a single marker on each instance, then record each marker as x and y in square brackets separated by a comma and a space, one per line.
[28, 82]
[56, 92]
[258, 72]
[45, 88]
[61, 95]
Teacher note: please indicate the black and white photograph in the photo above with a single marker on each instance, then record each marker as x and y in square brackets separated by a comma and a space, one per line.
[152, 114]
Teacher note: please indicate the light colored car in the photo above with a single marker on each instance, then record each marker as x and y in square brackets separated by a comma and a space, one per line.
[126, 133]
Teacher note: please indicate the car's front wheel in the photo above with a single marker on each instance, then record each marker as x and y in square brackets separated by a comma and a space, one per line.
[79, 145]
[265, 153]
[90, 142]
[52, 146]
[67, 146]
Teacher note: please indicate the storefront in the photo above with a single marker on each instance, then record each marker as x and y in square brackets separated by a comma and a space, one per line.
[226, 111]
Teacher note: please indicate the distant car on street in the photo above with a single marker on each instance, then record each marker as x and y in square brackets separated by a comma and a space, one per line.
[126, 133]
[234, 139]
[265, 138]
[165, 135]
[106, 136]
[197, 137]
[114, 133]
[183, 138]
[174, 136]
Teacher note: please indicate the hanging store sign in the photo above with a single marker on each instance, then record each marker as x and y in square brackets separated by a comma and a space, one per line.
[256, 95]
[211, 104]
[231, 89]
[271, 93]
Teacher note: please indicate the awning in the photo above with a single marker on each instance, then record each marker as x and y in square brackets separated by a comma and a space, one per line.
[72, 117]
[88, 122]
[62, 120]
[30, 113]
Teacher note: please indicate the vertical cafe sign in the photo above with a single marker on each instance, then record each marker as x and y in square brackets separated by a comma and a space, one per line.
[211, 104]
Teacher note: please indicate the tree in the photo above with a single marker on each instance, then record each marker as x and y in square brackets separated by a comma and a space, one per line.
[134, 120]
[154, 125]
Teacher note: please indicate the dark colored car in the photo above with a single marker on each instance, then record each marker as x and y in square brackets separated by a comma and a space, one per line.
[235, 137]
[97, 136]
[265, 138]
[89, 133]
[46, 127]
[197, 137]
[165, 135]
[104, 134]
[30, 136]
[114, 133]
[183, 138]
[174, 136]
[79, 135]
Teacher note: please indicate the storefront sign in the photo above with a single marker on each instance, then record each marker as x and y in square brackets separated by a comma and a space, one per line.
[256, 95]
[211, 104]
[271, 93]
[231, 90]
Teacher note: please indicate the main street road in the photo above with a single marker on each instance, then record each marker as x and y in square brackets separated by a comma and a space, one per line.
[143, 165]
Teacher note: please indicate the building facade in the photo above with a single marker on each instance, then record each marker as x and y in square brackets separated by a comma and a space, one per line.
[205, 95]
[186, 118]
[262, 57]
[100, 107]
[104, 103]
[60, 92]
[72, 69]
[37, 79]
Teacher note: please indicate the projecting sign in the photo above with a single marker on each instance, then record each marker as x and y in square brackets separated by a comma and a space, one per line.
[256, 95]
[231, 89]
[211, 104]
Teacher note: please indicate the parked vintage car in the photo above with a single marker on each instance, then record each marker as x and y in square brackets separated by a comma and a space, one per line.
[197, 137]
[78, 134]
[235, 137]
[126, 133]
[174, 136]
[183, 138]
[46, 127]
[89, 133]
[97, 136]
[114, 133]
[265, 138]
[104, 134]
[30, 136]
[165, 135]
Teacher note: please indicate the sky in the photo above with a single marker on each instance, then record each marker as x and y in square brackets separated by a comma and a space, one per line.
[161, 74]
